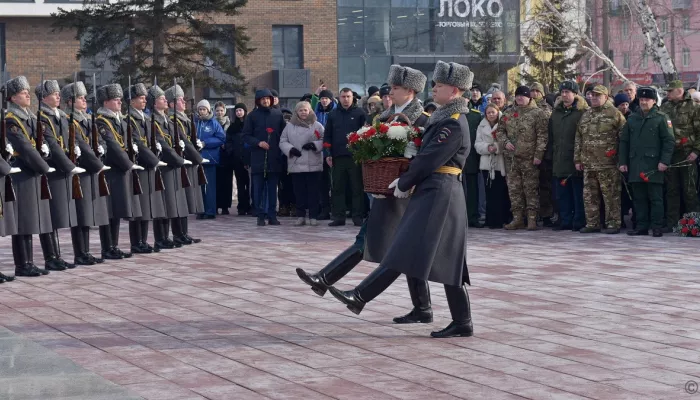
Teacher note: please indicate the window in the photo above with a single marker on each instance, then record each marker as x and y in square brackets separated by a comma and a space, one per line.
[686, 23]
[626, 60]
[645, 60]
[625, 28]
[686, 57]
[287, 50]
[664, 25]
[227, 47]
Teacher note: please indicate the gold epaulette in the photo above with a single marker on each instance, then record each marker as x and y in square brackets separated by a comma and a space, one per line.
[455, 116]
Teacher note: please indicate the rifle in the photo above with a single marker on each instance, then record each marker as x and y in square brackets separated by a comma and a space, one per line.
[77, 189]
[101, 179]
[130, 146]
[179, 150]
[45, 189]
[200, 170]
[160, 186]
[9, 189]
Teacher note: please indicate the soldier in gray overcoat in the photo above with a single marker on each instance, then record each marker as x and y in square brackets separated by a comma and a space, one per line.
[195, 202]
[91, 210]
[8, 222]
[430, 241]
[63, 214]
[175, 198]
[34, 217]
[122, 202]
[386, 213]
[152, 200]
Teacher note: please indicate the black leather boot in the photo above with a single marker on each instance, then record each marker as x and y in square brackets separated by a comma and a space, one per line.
[420, 296]
[333, 272]
[137, 244]
[29, 250]
[108, 249]
[76, 234]
[114, 225]
[461, 325]
[186, 230]
[23, 267]
[372, 286]
[144, 237]
[160, 235]
[57, 250]
[51, 261]
[179, 234]
[86, 242]
[166, 231]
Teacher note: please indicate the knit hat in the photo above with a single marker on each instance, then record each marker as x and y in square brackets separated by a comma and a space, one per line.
[537, 86]
[372, 90]
[49, 87]
[569, 85]
[621, 98]
[274, 93]
[385, 90]
[204, 103]
[453, 74]
[240, 105]
[475, 86]
[494, 87]
[522, 91]
[76, 89]
[326, 93]
[174, 92]
[406, 77]
[16, 85]
[138, 90]
[109, 92]
[647, 93]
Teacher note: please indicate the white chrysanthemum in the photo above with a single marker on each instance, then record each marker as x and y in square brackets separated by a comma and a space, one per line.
[397, 132]
[362, 130]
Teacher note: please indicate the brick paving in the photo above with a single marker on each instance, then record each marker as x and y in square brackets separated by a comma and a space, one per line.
[556, 316]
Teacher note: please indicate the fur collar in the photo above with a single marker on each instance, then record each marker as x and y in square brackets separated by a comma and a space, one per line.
[109, 113]
[413, 111]
[54, 112]
[77, 115]
[225, 121]
[19, 111]
[580, 102]
[456, 106]
[310, 120]
[182, 116]
[160, 117]
[138, 115]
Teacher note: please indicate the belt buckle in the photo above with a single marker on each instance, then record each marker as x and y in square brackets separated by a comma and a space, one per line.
[459, 177]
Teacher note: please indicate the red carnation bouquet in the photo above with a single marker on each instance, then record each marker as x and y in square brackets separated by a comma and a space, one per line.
[382, 140]
[689, 225]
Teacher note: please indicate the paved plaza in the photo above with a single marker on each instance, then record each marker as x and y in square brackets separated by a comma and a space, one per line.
[557, 315]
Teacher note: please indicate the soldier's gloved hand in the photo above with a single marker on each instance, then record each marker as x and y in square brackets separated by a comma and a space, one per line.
[200, 145]
[77, 152]
[182, 144]
[411, 150]
[135, 147]
[205, 161]
[77, 170]
[379, 196]
[162, 164]
[692, 156]
[51, 169]
[579, 167]
[188, 162]
[159, 147]
[397, 192]
[15, 170]
[9, 149]
[623, 168]
[106, 168]
[137, 167]
[100, 150]
[45, 150]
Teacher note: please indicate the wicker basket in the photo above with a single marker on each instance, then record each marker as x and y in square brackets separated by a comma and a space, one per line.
[378, 175]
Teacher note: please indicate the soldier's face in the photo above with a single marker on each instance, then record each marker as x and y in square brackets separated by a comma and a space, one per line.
[567, 96]
[400, 95]
[442, 94]
[53, 100]
[22, 99]
[675, 94]
[536, 94]
[598, 99]
[139, 103]
[114, 105]
[522, 100]
[181, 104]
[646, 104]
[161, 103]
[80, 103]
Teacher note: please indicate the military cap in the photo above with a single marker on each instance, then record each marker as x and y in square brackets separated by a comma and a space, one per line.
[76, 89]
[385, 90]
[600, 89]
[569, 85]
[537, 86]
[173, 93]
[49, 87]
[406, 77]
[647, 93]
[453, 74]
[138, 90]
[677, 84]
[109, 92]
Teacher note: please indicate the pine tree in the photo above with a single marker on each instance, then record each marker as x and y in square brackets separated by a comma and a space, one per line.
[547, 51]
[482, 44]
[164, 39]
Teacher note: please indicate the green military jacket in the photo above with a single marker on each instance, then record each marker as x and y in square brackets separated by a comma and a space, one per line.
[646, 141]
[685, 116]
[474, 119]
[525, 127]
[597, 137]
[562, 136]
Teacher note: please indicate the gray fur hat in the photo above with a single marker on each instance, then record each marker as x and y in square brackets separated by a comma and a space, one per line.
[137, 90]
[49, 87]
[67, 91]
[154, 92]
[406, 77]
[16, 85]
[453, 74]
[109, 92]
[173, 93]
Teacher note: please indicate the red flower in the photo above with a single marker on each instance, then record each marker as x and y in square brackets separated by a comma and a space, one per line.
[515, 115]
[562, 182]
[684, 140]
[691, 221]
[685, 230]
[504, 119]
[270, 130]
[326, 145]
[353, 138]
[645, 179]
[318, 134]
[493, 133]
[642, 175]
[383, 128]
[684, 221]
[417, 141]
[695, 232]
[611, 153]
[371, 132]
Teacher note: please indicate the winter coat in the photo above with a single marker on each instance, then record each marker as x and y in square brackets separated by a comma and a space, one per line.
[685, 118]
[525, 127]
[174, 194]
[646, 141]
[264, 124]
[341, 122]
[8, 220]
[562, 135]
[235, 149]
[597, 137]
[296, 136]
[485, 138]
[193, 193]
[152, 202]
[210, 132]
[474, 118]
[322, 112]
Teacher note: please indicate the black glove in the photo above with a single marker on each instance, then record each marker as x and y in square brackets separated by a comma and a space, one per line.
[294, 152]
[309, 146]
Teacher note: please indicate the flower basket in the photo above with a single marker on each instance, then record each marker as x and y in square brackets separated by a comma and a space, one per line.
[689, 225]
[378, 175]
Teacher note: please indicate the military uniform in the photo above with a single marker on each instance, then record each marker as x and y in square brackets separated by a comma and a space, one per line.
[646, 141]
[8, 218]
[685, 118]
[596, 145]
[525, 127]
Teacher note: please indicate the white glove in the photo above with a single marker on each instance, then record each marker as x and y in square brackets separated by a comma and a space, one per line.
[15, 170]
[101, 150]
[137, 167]
[162, 164]
[411, 150]
[159, 147]
[135, 147]
[9, 149]
[204, 161]
[182, 144]
[398, 193]
[77, 152]
[77, 170]
[51, 169]
[200, 145]
[188, 162]
[105, 168]
[379, 196]
[45, 149]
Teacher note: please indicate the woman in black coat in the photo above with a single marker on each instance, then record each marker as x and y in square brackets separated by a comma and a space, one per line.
[238, 157]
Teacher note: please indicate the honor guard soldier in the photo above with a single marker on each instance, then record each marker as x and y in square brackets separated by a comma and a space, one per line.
[122, 202]
[8, 221]
[92, 208]
[438, 253]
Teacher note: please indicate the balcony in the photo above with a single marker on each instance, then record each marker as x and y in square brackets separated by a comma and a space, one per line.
[681, 4]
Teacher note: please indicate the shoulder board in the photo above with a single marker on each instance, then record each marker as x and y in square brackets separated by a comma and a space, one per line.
[456, 115]
[475, 110]
[426, 114]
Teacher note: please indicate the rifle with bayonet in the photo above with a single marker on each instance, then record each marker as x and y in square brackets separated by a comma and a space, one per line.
[9, 188]
[179, 150]
[130, 146]
[45, 189]
[200, 170]
[101, 179]
[77, 192]
[160, 185]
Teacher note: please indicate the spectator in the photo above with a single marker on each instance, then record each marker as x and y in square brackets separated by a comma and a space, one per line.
[275, 98]
[239, 157]
[212, 135]
[630, 88]
[374, 105]
[224, 172]
[286, 186]
[470, 178]
[323, 104]
[492, 166]
[385, 95]
[220, 112]
[430, 106]
[477, 101]
[302, 143]
[622, 102]
[261, 131]
[341, 121]
[499, 99]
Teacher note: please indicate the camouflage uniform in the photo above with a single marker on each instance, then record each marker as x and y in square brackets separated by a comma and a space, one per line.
[525, 127]
[596, 148]
[546, 204]
[685, 118]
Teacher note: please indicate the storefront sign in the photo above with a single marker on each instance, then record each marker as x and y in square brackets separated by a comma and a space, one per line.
[473, 8]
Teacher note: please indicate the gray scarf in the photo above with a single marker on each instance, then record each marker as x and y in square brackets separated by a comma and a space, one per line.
[308, 122]
[413, 111]
[456, 106]
[208, 117]
[224, 121]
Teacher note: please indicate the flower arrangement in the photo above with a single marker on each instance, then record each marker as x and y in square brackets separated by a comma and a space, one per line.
[383, 140]
[689, 225]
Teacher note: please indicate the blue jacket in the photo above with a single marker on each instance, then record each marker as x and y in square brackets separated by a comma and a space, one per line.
[210, 132]
[322, 116]
[255, 130]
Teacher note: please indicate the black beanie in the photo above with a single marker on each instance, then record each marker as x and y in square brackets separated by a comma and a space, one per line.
[372, 90]
[326, 93]
[274, 93]
[522, 91]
